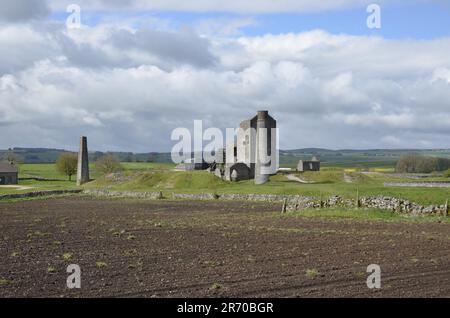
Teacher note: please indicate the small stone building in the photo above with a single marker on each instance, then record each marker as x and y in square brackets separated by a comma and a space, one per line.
[190, 165]
[309, 165]
[8, 174]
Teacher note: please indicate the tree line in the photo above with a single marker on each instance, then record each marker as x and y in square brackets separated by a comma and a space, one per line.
[421, 164]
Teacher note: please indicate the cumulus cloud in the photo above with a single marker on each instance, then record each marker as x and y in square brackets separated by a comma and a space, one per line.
[260, 6]
[128, 88]
[23, 10]
[185, 46]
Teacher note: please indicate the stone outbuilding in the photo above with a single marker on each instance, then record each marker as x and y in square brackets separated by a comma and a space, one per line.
[9, 174]
[190, 165]
[238, 172]
[309, 165]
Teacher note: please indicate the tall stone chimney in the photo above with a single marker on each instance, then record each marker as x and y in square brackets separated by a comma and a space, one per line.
[83, 162]
[263, 148]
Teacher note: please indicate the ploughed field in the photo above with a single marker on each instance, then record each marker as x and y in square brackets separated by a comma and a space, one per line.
[131, 248]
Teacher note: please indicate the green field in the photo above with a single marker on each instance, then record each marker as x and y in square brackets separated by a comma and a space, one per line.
[326, 183]
[59, 181]
[161, 177]
[361, 214]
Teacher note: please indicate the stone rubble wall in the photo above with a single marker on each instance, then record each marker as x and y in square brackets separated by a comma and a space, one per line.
[403, 206]
[435, 184]
[297, 202]
[378, 202]
[126, 194]
[38, 194]
[290, 202]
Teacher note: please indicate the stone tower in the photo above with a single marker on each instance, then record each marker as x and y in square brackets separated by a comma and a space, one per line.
[83, 162]
[256, 153]
[264, 165]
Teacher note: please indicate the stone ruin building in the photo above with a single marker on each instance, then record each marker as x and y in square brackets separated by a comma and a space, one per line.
[256, 137]
[309, 165]
[8, 174]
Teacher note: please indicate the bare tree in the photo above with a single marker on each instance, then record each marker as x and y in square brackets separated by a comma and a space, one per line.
[12, 158]
[108, 164]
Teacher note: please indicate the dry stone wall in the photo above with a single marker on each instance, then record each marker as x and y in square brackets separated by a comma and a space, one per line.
[129, 194]
[290, 202]
[297, 202]
[37, 194]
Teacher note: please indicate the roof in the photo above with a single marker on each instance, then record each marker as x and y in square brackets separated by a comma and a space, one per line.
[308, 161]
[7, 167]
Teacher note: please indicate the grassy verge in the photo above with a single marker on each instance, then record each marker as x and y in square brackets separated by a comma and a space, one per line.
[325, 184]
[152, 177]
[363, 214]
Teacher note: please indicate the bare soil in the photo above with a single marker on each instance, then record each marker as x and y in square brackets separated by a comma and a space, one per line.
[129, 248]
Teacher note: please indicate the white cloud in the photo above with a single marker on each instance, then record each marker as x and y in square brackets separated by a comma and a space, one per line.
[127, 89]
[441, 74]
[23, 10]
[224, 26]
[259, 6]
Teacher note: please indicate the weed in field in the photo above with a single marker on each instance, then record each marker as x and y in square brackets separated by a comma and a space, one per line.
[131, 237]
[4, 282]
[51, 270]
[15, 254]
[40, 234]
[131, 252]
[101, 264]
[211, 263]
[136, 264]
[67, 256]
[118, 233]
[230, 234]
[360, 274]
[216, 286]
[312, 273]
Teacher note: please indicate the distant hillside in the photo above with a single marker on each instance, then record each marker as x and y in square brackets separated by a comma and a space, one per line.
[341, 158]
[356, 158]
[47, 155]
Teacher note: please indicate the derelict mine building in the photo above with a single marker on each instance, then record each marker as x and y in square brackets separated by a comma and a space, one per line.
[8, 174]
[256, 136]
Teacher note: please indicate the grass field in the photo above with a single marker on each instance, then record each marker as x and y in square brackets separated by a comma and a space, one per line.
[330, 181]
[59, 181]
[161, 177]
[362, 214]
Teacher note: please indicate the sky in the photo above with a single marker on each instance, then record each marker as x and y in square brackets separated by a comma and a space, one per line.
[134, 70]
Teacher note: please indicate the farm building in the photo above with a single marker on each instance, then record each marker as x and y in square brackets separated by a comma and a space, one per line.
[8, 174]
[309, 165]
